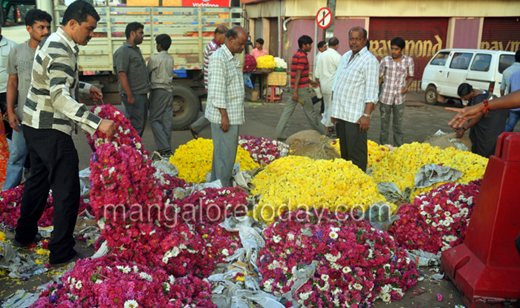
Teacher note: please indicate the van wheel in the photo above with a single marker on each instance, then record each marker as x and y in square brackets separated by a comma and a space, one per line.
[430, 96]
[185, 106]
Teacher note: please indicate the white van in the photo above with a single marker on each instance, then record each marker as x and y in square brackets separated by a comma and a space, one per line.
[450, 67]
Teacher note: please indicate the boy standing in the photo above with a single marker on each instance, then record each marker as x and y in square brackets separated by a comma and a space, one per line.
[397, 69]
[160, 69]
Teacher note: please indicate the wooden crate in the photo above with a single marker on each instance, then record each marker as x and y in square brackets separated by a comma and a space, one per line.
[277, 79]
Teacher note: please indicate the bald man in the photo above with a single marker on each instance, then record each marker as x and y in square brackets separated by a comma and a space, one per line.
[225, 107]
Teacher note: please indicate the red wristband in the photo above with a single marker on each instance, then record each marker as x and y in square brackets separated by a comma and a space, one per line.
[486, 108]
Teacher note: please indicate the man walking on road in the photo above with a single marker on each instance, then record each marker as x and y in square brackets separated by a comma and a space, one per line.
[133, 77]
[21, 58]
[325, 71]
[225, 108]
[51, 111]
[218, 39]
[397, 71]
[160, 68]
[299, 86]
[355, 93]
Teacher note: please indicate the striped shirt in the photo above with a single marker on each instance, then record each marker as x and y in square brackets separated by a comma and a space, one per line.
[210, 49]
[396, 73]
[357, 85]
[225, 88]
[55, 86]
[300, 62]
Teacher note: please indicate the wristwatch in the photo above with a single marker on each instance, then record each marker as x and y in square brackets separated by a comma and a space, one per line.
[367, 115]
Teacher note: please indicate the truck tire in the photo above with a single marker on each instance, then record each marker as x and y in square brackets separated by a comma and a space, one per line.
[431, 95]
[186, 106]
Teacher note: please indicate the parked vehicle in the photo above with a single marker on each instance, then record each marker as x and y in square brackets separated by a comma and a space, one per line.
[191, 29]
[450, 67]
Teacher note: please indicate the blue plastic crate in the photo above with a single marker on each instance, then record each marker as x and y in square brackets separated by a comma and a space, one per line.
[181, 73]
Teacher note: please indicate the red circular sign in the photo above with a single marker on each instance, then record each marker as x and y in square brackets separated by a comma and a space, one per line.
[324, 17]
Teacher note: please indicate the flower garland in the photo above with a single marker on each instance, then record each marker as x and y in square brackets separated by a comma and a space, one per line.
[376, 152]
[295, 181]
[263, 151]
[10, 203]
[194, 160]
[109, 282]
[402, 164]
[437, 220]
[266, 61]
[249, 63]
[125, 134]
[355, 263]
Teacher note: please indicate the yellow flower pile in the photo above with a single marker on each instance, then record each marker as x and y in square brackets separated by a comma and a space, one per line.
[193, 160]
[265, 62]
[376, 152]
[401, 165]
[296, 181]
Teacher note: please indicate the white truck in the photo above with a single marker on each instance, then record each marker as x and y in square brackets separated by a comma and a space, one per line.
[191, 29]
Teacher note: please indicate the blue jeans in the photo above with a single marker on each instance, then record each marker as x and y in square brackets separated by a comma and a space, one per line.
[17, 155]
[514, 116]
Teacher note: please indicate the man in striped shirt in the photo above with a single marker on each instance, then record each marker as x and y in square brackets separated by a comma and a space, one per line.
[299, 86]
[217, 41]
[51, 113]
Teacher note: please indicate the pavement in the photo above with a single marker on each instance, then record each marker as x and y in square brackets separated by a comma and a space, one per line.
[420, 121]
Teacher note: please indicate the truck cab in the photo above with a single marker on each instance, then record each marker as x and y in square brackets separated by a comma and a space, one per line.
[191, 29]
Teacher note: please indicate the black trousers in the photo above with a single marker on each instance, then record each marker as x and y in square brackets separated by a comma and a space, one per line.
[353, 143]
[54, 164]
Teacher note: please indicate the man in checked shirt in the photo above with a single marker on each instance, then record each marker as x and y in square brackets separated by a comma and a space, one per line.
[397, 70]
[354, 94]
[51, 112]
[225, 107]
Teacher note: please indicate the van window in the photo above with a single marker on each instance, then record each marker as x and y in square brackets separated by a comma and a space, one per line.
[481, 63]
[14, 12]
[440, 59]
[461, 60]
[505, 62]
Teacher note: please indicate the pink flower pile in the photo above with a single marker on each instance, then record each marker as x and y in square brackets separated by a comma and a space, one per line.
[437, 220]
[356, 264]
[110, 282]
[263, 151]
[249, 63]
[10, 201]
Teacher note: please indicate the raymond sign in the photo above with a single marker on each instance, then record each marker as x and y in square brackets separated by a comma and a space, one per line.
[206, 3]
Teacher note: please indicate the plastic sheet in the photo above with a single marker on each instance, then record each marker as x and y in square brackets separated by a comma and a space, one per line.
[431, 174]
[424, 258]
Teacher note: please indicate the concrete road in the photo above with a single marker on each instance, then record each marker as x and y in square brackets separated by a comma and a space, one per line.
[420, 121]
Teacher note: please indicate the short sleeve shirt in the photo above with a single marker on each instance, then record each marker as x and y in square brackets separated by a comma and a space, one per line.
[300, 62]
[21, 60]
[5, 47]
[129, 59]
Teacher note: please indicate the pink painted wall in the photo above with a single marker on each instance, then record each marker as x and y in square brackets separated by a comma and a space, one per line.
[299, 27]
[466, 33]
[296, 29]
[341, 29]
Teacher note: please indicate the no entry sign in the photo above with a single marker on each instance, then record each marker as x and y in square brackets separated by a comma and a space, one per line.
[324, 17]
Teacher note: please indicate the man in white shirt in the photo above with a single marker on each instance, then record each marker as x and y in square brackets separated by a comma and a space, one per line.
[325, 71]
[355, 93]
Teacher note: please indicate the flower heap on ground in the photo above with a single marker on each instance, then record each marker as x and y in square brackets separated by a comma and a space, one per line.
[356, 264]
[10, 201]
[402, 164]
[376, 152]
[249, 63]
[437, 220]
[139, 218]
[110, 282]
[296, 181]
[263, 151]
[266, 61]
[193, 160]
